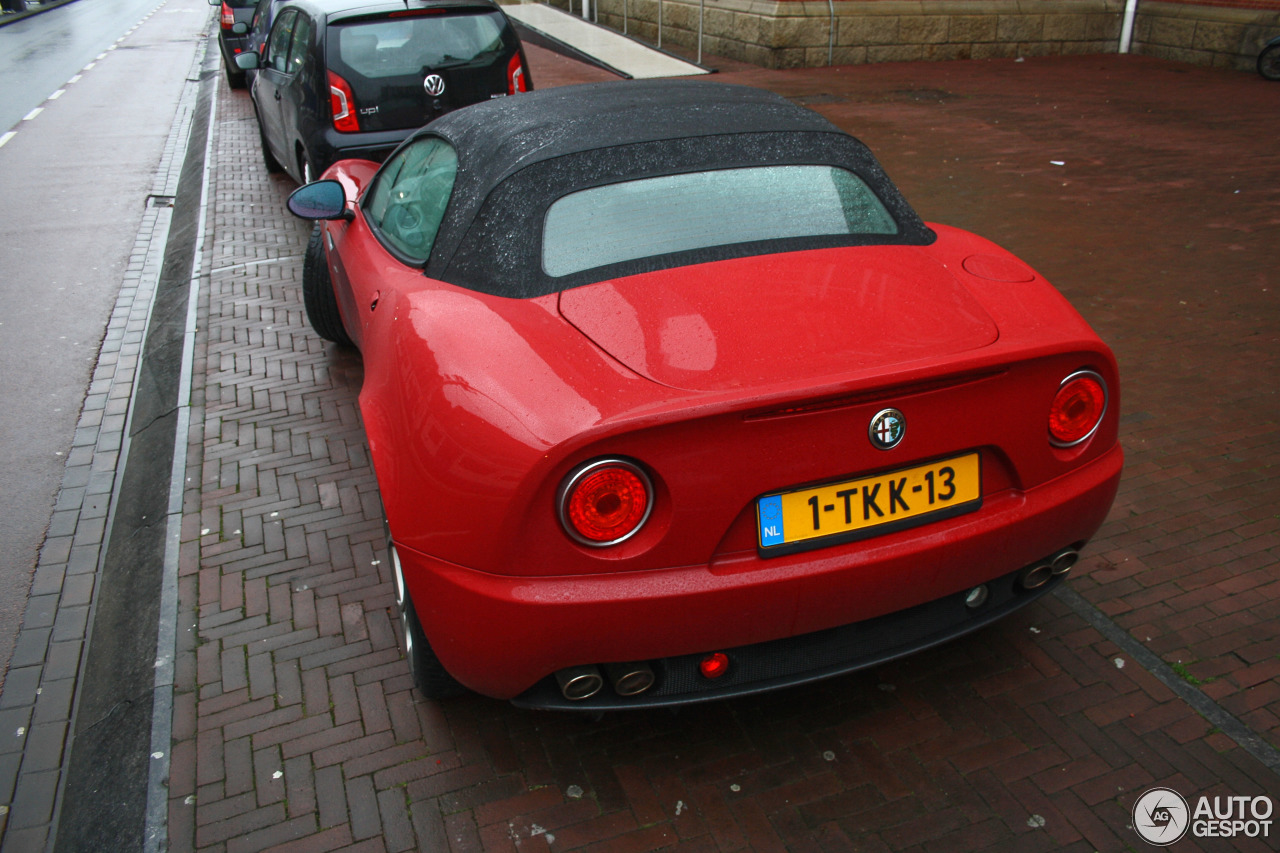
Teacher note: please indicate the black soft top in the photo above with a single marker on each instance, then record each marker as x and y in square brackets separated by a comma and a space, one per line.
[517, 155]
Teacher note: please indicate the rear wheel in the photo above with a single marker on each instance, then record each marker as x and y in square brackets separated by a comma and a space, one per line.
[317, 293]
[1269, 62]
[234, 79]
[429, 675]
[268, 159]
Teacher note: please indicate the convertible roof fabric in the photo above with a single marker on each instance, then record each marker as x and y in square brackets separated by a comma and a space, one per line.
[517, 155]
[501, 136]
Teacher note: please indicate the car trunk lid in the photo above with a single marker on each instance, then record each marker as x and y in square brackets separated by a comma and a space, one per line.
[795, 317]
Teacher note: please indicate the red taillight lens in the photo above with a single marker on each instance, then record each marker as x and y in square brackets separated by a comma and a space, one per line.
[515, 76]
[342, 103]
[605, 502]
[1077, 408]
[714, 665]
[228, 17]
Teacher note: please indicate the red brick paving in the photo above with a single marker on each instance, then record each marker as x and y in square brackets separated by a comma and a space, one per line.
[295, 721]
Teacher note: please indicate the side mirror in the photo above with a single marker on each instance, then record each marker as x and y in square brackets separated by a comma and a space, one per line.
[320, 200]
[240, 28]
[247, 60]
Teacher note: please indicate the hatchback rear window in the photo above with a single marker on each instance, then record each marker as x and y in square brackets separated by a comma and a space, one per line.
[680, 213]
[410, 45]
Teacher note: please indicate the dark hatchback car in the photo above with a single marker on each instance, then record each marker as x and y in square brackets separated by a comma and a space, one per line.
[340, 80]
[264, 15]
[235, 21]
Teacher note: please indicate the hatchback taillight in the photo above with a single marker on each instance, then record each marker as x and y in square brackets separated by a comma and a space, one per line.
[1077, 408]
[343, 105]
[515, 76]
[228, 17]
[605, 502]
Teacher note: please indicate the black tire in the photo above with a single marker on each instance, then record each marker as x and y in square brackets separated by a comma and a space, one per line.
[317, 293]
[268, 159]
[1269, 61]
[429, 675]
[234, 80]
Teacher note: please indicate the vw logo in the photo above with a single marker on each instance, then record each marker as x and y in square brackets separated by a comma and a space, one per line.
[887, 428]
[434, 84]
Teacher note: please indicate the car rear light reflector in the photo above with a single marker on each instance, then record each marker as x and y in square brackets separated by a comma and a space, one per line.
[1077, 408]
[342, 103]
[228, 17]
[605, 502]
[515, 76]
[714, 665]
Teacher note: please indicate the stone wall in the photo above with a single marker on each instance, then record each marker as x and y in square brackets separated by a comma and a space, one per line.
[1220, 36]
[796, 33]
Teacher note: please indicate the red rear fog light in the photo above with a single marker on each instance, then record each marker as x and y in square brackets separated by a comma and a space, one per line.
[714, 665]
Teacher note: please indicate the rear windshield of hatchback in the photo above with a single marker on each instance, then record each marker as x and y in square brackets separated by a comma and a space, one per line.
[395, 47]
[699, 210]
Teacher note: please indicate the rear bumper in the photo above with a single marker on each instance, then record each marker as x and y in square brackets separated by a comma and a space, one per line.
[376, 146]
[806, 658]
[504, 636]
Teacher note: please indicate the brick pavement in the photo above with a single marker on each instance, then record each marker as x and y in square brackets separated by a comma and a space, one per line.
[295, 724]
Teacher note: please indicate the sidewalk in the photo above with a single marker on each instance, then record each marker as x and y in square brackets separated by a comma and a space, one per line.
[1147, 191]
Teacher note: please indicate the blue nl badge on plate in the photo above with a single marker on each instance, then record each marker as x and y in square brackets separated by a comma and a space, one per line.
[769, 520]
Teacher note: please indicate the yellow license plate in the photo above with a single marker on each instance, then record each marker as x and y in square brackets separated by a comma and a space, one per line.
[869, 506]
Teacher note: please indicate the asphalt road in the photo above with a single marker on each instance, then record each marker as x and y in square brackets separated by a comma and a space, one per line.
[106, 76]
[39, 54]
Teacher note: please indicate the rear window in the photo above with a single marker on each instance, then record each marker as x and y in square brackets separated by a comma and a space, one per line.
[397, 47]
[680, 213]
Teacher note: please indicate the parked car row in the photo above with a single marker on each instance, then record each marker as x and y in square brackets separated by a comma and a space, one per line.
[332, 79]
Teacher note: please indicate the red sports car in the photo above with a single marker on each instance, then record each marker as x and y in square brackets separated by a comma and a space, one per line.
[672, 397]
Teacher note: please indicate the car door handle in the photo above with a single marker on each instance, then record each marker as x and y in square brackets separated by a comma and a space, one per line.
[277, 94]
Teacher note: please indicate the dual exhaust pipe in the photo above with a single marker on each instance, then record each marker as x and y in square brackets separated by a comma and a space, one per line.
[1038, 574]
[583, 682]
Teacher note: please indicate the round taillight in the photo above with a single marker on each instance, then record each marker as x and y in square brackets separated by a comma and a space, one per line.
[605, 502]
[1077, 408]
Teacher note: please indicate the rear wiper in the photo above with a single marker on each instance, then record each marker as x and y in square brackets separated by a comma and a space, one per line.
[454, 62]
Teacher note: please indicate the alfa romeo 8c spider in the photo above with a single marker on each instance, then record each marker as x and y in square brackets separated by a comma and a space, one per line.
[672, 397]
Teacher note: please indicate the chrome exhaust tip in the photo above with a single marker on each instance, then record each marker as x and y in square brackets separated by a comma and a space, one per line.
[1064, 560]
[629, 679]
[579, 682]
[1034, 577]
